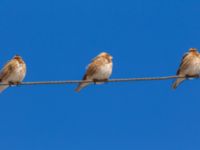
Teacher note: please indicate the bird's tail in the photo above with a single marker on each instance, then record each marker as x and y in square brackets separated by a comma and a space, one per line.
[177, 82]
[3, 87]
[81, 86]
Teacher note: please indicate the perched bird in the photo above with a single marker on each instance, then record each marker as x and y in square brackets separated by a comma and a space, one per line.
[99, 70]
[13, 72]
[189, 67]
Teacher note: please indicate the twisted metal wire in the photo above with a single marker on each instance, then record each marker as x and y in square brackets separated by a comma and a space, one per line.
[90, 81]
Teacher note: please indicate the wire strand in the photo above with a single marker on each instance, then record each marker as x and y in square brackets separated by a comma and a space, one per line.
[90, 81]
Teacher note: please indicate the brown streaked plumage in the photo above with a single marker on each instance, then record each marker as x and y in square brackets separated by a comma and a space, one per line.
[13, 72]
[99, 69]
[189, 67]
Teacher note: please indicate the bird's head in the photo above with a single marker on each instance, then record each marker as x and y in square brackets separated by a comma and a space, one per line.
[106, 55]
[192, 50]
[18, 58]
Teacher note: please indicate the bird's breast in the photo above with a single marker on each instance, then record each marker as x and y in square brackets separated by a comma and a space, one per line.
[194, 68]
[104, 71]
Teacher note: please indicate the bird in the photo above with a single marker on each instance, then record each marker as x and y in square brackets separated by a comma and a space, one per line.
[189, 67]
[99, 70]
[13, 72]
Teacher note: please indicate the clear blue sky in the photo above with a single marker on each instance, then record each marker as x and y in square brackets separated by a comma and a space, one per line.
[58, 38]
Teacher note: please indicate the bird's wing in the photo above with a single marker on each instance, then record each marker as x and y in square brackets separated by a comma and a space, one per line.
[93, 68]
[7, 69]
[185, 62]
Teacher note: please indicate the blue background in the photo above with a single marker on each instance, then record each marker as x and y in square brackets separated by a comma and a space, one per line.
[58, 38]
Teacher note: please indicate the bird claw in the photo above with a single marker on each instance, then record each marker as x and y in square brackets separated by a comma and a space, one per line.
[18, 83]
[12, 83]
[97, 81]
[193, 76]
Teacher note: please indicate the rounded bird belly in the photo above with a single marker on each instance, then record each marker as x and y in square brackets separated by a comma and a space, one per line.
[104, 72]
[16, 76]
[193, 70]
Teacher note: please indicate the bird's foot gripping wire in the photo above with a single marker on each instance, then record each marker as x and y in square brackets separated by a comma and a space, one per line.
[192, 76]
[14, 83]
[97, 81]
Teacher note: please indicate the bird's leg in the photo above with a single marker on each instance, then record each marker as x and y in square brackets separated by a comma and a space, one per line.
[11, 83]
[105, 80]
[196, 76]
[18, 83]
[99, 80]
[190, 77]
[193, 76]
[95, 81]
